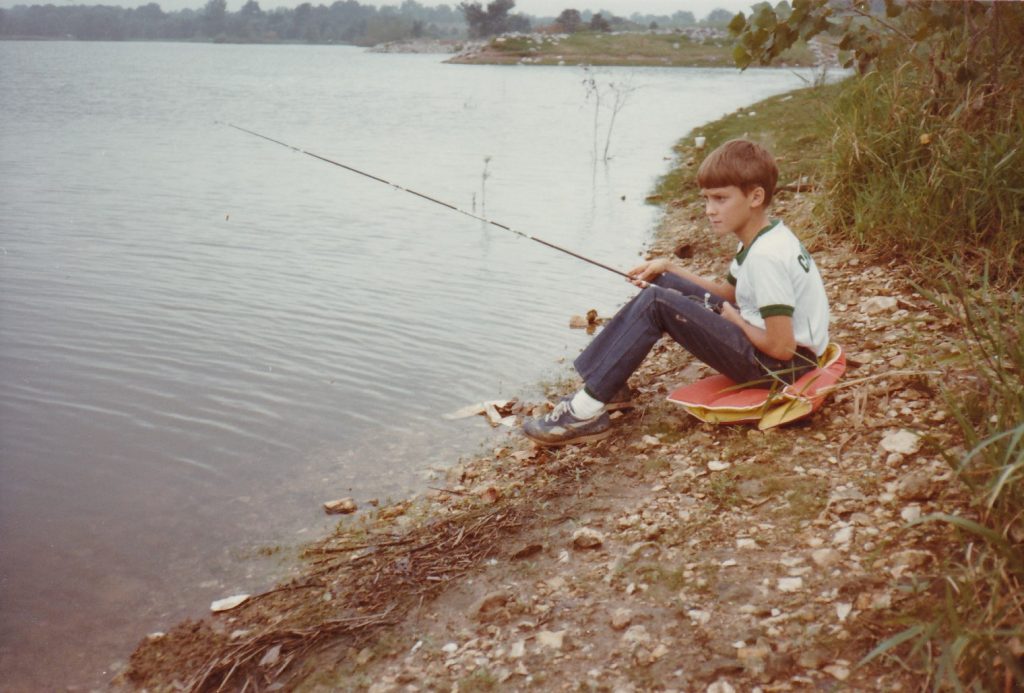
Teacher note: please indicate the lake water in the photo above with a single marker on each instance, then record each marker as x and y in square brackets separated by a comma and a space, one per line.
[204, 335]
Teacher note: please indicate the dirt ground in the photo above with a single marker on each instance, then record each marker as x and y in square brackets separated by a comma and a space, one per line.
[674, 555]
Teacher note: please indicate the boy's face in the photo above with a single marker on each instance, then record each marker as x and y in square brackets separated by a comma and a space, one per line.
[730, 210]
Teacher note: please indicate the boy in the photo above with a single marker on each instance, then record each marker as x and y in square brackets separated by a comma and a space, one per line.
[769, 320]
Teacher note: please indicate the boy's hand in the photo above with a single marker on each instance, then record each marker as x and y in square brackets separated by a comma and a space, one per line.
[643, 273]
[730, 313]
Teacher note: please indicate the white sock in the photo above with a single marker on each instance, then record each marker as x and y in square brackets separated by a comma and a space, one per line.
[584, 406]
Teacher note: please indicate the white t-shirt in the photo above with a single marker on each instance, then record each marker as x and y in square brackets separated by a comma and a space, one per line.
[775, 275]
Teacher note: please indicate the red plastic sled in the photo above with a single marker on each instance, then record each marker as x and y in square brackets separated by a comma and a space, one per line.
[720, 400]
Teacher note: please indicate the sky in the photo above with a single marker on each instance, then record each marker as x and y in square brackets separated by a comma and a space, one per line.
[537, 8]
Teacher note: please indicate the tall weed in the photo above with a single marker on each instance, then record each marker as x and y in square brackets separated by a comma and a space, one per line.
[975, 635]
[928, 166]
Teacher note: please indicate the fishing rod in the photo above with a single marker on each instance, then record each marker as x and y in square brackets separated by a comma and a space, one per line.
[431, 199]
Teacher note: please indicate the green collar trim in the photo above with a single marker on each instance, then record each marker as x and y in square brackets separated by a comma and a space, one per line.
[742, 255]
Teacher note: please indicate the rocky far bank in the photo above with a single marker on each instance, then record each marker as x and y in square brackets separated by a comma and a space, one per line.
[673, 556]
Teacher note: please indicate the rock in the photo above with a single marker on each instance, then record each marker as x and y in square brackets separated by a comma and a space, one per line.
[636, 635]
[229, 603]
[342, 506]
[721, 686]
[843, 536]
[621, 618]
[450, 649]
[271, 656]
[838, 671]
[527, 551]
[826, 557]
[391, 511]
[812, 658]
[489, 606]
[587, 538]
[716, 466]
[918, 486]
[901, 442]
[553, 640]
[898, 361]
[518, 650]
[754, 658]
[911, 513]
[790, 584]
[878, 304]
[649, 441]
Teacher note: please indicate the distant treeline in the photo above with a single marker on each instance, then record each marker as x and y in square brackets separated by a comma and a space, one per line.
[344, 21]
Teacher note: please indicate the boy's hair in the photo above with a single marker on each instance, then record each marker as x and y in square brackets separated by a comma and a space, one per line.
[742, 163]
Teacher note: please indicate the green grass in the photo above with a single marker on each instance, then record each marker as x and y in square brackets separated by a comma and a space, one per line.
[926, 177]
[793, 126]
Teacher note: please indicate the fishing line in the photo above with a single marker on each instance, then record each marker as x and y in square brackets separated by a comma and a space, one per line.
[431, 199]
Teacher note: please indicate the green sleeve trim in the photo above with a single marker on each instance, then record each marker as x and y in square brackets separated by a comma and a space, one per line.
[777, 309]
[731, 279]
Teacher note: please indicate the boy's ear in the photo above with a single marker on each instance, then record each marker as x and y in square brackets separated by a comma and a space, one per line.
[756, 197]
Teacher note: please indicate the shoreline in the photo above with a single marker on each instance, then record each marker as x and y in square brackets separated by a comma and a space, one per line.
[489, 581]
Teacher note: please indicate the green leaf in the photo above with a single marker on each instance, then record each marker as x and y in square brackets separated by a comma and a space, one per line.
[741, 57]
[738, 24]
[971, 526]
[766, 18]
[890, 643]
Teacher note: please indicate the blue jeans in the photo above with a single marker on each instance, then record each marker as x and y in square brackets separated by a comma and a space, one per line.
[676, 306]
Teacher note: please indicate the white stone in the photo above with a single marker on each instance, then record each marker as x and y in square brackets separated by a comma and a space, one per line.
[636, 635]
[553, 640]
[721, 686]
[716, 466]
[271, 656]
[843, 610]
[746, 544]
[791, 584]
[911, 513]
[518, 650]
[838, 671]
[229, 603]
[901, 442]
[450, 649]
[621, 618]
[699, 616]
[843, 536]
[878, 304]
[825, 557]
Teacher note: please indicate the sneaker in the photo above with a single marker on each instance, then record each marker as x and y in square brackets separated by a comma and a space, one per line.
[623, 399]
[561, 427]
